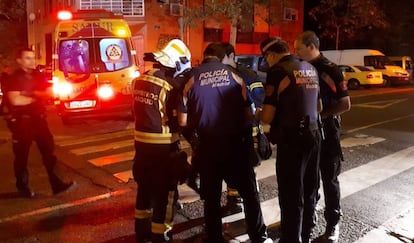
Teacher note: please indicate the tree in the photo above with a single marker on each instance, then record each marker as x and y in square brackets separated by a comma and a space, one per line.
[339, 19]
[231, 10]
[12, 22]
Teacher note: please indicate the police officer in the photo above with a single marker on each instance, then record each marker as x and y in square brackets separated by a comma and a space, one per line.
[291, 108]
[335, 101]
[216, 104]
[27, 123]
[157, 161]
[255, 93]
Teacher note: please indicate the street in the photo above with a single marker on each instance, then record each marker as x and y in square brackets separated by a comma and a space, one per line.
[376, 181]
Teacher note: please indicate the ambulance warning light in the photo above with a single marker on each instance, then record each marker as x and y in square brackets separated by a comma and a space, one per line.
[64, 15]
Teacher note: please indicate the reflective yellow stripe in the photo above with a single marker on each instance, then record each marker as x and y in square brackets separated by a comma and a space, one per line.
[232, 192]
[143, 214]
[156, 138]
[160, 228]
[157, 81]
[169, 213]
[256, 85]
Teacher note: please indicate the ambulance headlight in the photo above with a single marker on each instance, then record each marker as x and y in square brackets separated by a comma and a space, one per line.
[105, 91]
[62, 89]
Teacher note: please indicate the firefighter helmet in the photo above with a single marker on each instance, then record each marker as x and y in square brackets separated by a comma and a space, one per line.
[174, 55]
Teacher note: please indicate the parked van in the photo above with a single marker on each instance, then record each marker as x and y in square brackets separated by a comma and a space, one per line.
[376, 60]
[405, 62]
[254, 62]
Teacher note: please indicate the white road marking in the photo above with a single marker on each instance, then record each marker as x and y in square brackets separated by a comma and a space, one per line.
[94, 138]
[103, 147]
[64, 206]
[351, 181]
[378, 123]
[360, 140]
[401, 226]
[382, 104]
[113, 158]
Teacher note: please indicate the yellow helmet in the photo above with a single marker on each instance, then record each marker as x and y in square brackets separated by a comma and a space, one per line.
[174, 55]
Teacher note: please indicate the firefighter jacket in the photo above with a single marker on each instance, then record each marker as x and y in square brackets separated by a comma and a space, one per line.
[155, 101]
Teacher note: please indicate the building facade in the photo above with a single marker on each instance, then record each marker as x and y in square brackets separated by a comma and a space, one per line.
[154, 22]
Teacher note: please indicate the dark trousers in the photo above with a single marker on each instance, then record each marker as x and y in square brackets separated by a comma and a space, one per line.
[222, 159]
[157, 190]
[24, 132]
[297, 177]
[330, 168]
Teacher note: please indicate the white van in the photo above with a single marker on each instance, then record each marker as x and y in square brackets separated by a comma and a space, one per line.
[376, 60]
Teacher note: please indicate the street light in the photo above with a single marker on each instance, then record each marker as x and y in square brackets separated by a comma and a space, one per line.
[32, 18]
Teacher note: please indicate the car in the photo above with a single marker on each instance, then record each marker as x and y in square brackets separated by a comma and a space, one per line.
[357, 76]
[255, 62]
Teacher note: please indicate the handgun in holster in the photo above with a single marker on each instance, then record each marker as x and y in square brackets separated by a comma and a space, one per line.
[320, 127]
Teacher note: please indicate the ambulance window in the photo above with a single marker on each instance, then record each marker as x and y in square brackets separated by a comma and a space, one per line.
[74, 56]
[114, 54]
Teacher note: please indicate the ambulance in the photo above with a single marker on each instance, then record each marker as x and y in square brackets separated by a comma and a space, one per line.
[94, 64]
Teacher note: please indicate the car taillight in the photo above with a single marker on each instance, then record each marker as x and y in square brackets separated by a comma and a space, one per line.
[370, 76]
[105, 92]
[62, 89]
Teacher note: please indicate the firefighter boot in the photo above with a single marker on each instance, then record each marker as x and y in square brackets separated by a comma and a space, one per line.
[161, 238]
[143, 230]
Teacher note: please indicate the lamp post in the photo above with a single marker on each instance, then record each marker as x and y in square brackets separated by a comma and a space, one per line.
[32, 18]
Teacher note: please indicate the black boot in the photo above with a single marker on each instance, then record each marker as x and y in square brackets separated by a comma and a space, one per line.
[143, 230]
[161, 238]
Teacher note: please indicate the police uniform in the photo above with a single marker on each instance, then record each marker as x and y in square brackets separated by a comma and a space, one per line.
[216, 103]
[293, 86]
[255, 94]
[28, 123]
[156, 145]
[332, 88]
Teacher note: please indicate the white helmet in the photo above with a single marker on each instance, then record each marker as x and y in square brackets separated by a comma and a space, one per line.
[174, 55]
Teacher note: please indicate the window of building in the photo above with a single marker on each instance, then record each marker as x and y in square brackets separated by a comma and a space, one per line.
[133, 8]
[213, 35]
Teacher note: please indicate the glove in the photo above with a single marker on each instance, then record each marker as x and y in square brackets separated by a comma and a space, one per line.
[181, 168]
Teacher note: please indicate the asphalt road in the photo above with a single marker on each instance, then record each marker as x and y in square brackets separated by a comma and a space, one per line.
[378, 174]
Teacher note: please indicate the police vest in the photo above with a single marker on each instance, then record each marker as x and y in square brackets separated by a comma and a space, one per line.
[154, 108]
[215, 100]
[299, 99]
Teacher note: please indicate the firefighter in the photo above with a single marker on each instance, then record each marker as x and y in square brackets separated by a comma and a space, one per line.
[255, 93]
[216, 105]
[158, 163]
[26, 120]
[291, 108]
[335, 101]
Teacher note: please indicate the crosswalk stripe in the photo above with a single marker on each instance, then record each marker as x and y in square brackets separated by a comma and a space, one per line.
[352, 181]
[103, 147]
[95, 138]
[112, 159]
[124, 176]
